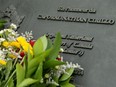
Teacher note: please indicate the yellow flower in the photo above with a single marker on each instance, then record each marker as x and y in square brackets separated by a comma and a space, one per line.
[25, 45]
[12, 56]
[5, 44]
[2, 62]
[21, 40]
[16, 44]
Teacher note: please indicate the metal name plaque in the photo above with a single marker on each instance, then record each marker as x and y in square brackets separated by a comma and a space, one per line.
[88, 32]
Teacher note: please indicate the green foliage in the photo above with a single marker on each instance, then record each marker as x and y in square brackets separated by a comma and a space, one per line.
[40, 45]
[38, 73]
[2, 22]
[5, 72]
[20, 73]
[11, 83]
[52, 63]
[67, 75]
[30, 57]
[1, 25]
[8, 69]
[34, 63]
[56, 47]
[66, 83]
[31, 73]
[49, 44]
[27, 82]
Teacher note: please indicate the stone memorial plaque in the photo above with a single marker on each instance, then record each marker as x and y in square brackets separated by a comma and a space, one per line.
[88, 32]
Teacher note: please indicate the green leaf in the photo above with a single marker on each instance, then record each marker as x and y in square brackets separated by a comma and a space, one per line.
[66, 81]
[51, 85]
[45, 42]
[55, 78]
[3, 21]
[40, 45]
[30, 57]
[25, 64]
[39, 58]
[38, 74]
[31, 71]
[27, 82]
[1, 25]
[20, 73]
[52, 63]
[66, 76]
[39, 85]
[67, 85]
[56, 47]
[49, 44]
[8, 69]
[33, 64]
[11, 84]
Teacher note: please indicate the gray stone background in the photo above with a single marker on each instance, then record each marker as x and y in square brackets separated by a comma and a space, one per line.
[100, 62]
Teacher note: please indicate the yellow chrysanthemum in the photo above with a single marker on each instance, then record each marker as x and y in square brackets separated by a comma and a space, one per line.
[25, 45]
[2, 62]
[21, 40]
[12, 56]
[5, 44]
[16, 44]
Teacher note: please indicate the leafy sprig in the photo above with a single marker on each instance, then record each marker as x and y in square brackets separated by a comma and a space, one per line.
[40, 67]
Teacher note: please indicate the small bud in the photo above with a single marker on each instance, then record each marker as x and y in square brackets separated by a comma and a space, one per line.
[47, 75]
[58, 56]
[22, 54]
[41, 81]
[57, 67]
[61, 50]
[32, 42]
[58, 59]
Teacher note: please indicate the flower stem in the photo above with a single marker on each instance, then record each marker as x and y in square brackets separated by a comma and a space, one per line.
[12, 75]
[10, 78]
[16, 59]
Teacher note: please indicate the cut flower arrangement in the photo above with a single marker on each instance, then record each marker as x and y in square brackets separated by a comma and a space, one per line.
[25, 62]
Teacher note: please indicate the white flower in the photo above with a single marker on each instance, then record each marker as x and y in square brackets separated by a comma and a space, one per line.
[1, 32]
[14, 53]
[13, 26]
[15, 33]
[12, 32]
[12, 35]
[2, 55]
[71, 65]
[11, 38]
[9, 30]
[27, 35]
[1, 40]
[61, 50]
[62, 68]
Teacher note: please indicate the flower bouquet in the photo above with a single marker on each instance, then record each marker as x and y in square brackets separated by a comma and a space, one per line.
[25, 62]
